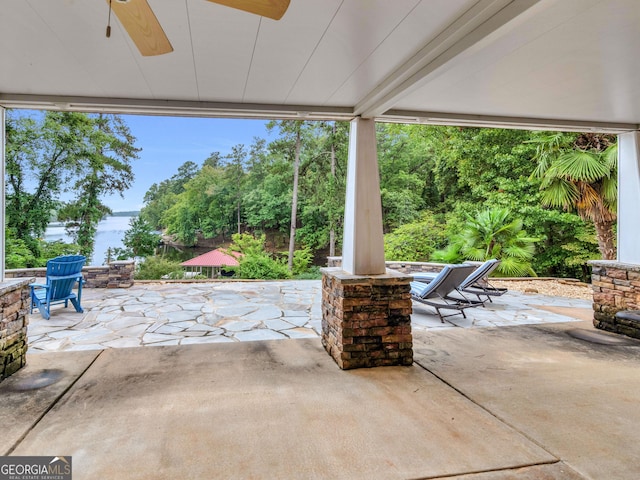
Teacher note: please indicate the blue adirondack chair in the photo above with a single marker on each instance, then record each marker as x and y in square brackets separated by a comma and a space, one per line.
[62, 275]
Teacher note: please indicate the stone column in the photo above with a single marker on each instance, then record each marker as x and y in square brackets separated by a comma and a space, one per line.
[366, 319]
[366, 309]
[15, 303]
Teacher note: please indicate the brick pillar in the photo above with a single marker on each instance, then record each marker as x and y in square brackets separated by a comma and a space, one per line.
[14, 302]
[616, 287]
[366, 319]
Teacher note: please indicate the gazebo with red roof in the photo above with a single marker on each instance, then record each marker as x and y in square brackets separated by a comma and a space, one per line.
[211, 264]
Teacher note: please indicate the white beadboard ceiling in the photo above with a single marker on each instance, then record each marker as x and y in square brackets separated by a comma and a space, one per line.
[532, 63]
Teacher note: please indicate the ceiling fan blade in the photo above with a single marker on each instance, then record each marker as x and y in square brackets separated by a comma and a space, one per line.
[143, 27]
[267, 8]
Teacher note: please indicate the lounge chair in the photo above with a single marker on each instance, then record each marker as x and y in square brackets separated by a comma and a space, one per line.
[437, 293]
[62, 275]
[476, 283]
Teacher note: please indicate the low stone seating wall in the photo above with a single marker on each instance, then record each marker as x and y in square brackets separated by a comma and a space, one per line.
[616, 288]
[118, 274]
[14, 301]
[408, 268]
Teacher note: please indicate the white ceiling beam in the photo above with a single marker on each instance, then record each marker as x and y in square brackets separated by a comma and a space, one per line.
[175, 107]
[475, 25]
[297, 112]
[517, 123]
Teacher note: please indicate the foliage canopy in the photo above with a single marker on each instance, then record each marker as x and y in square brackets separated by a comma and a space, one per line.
[476, 190]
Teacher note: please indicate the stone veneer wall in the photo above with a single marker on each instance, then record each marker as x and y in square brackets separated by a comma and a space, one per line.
[14, 301]
[410, 268]
[366, 320]
[616, 287]
[121, 274]
[118, 274]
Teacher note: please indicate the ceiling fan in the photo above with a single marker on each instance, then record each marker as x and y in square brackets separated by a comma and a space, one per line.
[143, 27]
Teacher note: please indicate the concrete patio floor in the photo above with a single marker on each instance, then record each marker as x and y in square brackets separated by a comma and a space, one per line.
[530, 402]
[540, 401]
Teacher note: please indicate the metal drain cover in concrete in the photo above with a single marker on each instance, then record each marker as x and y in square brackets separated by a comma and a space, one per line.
[602, 338]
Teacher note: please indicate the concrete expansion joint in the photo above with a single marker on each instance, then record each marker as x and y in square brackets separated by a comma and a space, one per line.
[53, 403]
[509, 470]
[493, 414]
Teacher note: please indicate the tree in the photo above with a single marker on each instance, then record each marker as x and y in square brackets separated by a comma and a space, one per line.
[65, 151]
[41, 157]
[580, 172]
[268, 200]
[82, 216]
[185, 172]
[404, 160]
[235, 178]
[490, 234]
[161, 197]
[214, 160]
[140, 238]
[267, 193]
[105, 168]
[157, 200]
[321, 188]
[292, 131]
[209, 204]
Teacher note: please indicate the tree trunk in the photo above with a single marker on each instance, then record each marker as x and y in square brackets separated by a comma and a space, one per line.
[238, 217]
[606, 239]
[294, 202]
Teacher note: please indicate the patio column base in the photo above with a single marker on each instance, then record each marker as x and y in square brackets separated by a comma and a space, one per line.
[14, 300]
[616, 288]
[366, 319]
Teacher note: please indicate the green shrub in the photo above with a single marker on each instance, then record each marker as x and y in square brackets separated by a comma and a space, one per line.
[261, 267]
[50, 250]
[414, 242]
[18, 254]
[256, 263]
[302, 259]
[312, 273]
[155, 268]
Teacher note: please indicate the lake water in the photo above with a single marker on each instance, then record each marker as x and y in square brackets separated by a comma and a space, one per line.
[109, 235]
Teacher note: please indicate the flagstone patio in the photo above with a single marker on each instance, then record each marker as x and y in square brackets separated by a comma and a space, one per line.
[189, 313]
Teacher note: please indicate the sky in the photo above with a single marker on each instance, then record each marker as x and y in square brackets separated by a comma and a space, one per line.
[168, 142]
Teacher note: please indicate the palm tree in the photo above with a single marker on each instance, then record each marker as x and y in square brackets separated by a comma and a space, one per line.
[490, 234]
[581, 173]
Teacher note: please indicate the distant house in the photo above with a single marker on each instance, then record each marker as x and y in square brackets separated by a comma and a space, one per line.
[211, 264]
